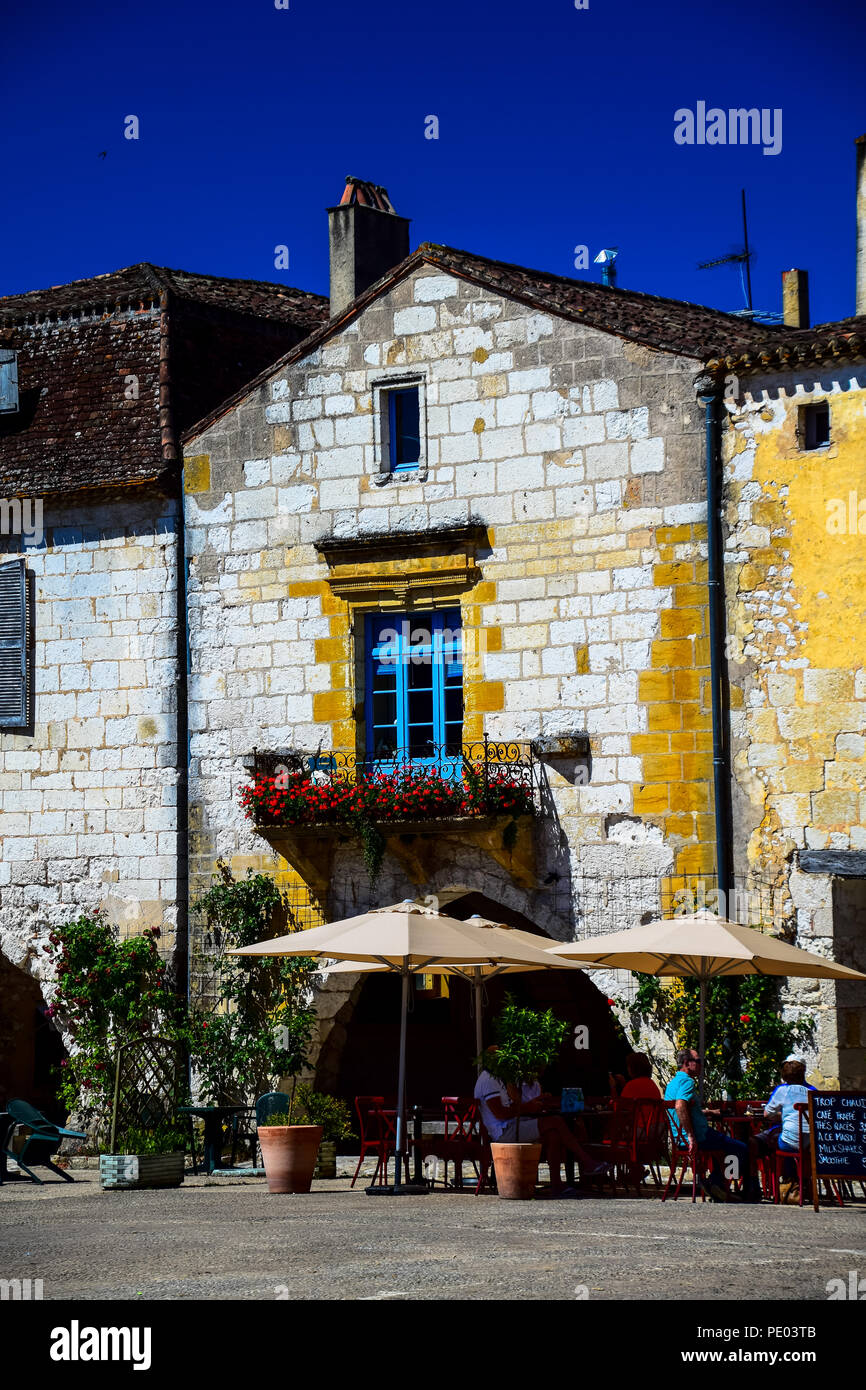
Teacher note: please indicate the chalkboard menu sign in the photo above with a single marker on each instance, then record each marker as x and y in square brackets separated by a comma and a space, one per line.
[837, 1120]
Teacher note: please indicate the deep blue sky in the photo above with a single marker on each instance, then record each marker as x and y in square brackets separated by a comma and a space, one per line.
[556, 129]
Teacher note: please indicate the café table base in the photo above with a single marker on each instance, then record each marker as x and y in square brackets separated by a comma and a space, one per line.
[405, 1189]
[236, 1173]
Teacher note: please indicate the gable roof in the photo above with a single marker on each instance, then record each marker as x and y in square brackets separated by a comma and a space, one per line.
[85, 348]
[143, 283]
[669, 325]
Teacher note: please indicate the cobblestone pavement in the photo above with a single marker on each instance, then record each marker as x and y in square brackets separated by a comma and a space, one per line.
[225, 1238]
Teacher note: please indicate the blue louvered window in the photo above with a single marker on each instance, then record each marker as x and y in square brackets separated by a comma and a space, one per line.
[13, 645]
[8, 381]
[414, 704]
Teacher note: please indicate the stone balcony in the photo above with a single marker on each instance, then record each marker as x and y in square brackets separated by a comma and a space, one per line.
[415, 838]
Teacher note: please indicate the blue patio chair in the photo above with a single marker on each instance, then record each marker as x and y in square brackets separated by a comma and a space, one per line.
[271, 1103]
[43, 1140]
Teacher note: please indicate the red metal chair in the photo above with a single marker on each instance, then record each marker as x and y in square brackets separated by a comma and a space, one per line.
[461, 1133]
[377, 1135]
[681, 1153]
[651, 1136]
[617, 1147]
[802, 1160]
[482, 1156]
[463, 1141]
[637, 1137]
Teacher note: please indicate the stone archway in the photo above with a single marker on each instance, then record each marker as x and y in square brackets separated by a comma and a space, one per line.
[358, 1053]
[30, 1045]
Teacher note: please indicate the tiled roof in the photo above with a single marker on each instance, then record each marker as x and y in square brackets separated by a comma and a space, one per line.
[102, 383]
[671, 325]
[796, 347]
[143, 283]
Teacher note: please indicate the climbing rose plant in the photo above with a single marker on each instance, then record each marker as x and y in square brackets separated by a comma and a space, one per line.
[746, 1037]
[107, 991]
[260, 1021]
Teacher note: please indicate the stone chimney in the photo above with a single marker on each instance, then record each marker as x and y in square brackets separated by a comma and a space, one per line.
[860, 307]
[795, 298]
[367, 239]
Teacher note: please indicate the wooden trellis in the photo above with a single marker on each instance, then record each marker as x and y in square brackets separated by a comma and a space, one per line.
[149, 1081]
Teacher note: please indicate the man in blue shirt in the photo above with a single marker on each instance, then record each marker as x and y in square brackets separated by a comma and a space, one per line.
[690, 1128]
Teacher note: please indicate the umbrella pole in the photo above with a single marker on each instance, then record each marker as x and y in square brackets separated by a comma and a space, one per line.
[479, 1033]
[399, 1157]
[702, 1035]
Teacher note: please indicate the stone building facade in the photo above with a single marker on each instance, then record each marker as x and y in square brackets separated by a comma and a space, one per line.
[558, 501]
[189, 620]
[793, 452]
[106, 372]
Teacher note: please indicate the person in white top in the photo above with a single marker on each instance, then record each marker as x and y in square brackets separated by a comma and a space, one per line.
[794, 1090]
[498, 1105]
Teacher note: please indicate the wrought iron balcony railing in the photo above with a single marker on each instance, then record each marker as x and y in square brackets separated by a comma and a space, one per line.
[481, 778]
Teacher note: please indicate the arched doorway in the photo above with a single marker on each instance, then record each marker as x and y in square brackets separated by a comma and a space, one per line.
[30, 1045]
[360, 1056]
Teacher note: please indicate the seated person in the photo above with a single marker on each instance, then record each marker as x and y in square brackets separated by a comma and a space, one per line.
[640, 1085]
[690, 1128]
[794, 1090]
[498, 1104]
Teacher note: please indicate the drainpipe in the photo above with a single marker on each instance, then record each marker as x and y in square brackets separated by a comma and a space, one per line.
[174, 468]
[710, 389]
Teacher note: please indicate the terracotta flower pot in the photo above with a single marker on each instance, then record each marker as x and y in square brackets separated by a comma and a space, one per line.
[289, 1153]
[516, 1168]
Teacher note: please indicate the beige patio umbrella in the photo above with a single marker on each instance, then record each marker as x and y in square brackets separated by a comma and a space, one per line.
[406, 939]
[705, 946]
[475, 974]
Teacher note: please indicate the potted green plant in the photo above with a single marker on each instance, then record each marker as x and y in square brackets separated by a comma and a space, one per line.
[527, 1042]
[290, 1147]
[334, 1116]
[145, 1158]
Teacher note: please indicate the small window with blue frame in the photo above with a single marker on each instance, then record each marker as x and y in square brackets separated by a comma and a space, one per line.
[414, 685]
[404, 428]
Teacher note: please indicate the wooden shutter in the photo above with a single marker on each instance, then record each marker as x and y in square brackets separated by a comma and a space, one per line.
[8, 380]
[13, 645]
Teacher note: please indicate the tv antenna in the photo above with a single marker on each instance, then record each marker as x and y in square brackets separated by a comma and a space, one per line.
[742, 258]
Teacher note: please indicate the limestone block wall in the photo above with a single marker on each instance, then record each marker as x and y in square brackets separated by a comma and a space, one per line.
[796, 579]
[89, 814]
[582, 455]
[796, 583]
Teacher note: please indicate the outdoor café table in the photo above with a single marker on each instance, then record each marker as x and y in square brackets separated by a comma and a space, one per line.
[213, 1116]
[429, 1120]
[738, 1126]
